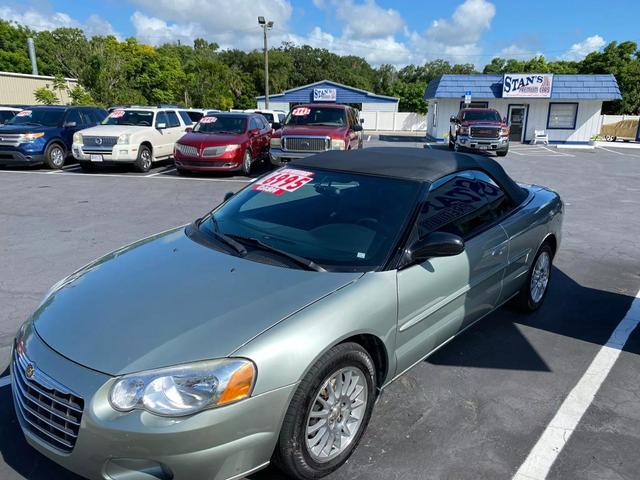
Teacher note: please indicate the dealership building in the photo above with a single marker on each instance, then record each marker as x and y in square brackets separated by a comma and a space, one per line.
[326, 91]
[566, 107]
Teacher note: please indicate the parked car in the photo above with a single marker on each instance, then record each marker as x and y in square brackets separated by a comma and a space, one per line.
[274, 117]
[7, 113]
[137, 136]
[224, 142]
[479, 129]
[292, 305]
[312, 128]
[625, 130]
[44, 134]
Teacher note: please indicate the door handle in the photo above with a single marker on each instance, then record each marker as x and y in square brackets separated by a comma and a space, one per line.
[499, 251]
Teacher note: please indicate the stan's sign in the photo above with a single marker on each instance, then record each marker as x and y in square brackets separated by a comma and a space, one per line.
[527, 85]
[324, 95]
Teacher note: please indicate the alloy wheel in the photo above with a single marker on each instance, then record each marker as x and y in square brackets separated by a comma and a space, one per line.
[540, 277]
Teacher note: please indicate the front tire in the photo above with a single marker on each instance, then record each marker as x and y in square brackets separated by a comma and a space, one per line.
[451, 142]
[54, 156]
[145, 159]
[247, 163]
[328, 414]
[502, 153]
[534, 292]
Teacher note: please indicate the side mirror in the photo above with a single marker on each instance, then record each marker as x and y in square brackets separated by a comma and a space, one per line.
[70, 124]
[357, 128]
[161, 126]
[436, 244]
[453, 119]
[228, 195]
[276, 125]
[188, 129]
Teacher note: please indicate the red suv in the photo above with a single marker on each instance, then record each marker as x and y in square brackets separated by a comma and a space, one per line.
[479, 129]
[316, 127]
[224, 142]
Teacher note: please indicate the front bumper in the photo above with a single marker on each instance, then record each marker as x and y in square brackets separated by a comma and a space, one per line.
[279, 156]
[474, 143]
[17, 158]
[115, 154]
[218, 444]
[227, 162]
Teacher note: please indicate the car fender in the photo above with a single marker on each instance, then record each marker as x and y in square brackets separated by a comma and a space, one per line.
[285, 353]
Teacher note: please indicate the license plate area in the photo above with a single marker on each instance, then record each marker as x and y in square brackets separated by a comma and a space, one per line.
[95, 158]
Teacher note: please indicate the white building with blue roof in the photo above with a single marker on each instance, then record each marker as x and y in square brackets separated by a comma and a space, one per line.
[566, 107]
[326, 91]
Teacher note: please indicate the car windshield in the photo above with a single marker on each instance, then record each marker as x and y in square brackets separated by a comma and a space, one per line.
[268, 116]
[480, 115]
[139, 118]
[316, 116]
[221, 124]
[339, 221]
[47, 117]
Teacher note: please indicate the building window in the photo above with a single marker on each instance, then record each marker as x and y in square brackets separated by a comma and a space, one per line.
[562, 116]
[435, 114]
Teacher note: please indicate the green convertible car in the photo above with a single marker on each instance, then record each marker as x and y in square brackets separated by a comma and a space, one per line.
[291, 306]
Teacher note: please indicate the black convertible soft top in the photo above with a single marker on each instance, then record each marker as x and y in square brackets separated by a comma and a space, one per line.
[426, 165]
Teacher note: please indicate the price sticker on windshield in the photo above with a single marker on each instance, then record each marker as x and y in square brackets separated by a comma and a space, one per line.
[288, 180]
[117, 114]
[24, 113]
[301, 112]
[208, 119]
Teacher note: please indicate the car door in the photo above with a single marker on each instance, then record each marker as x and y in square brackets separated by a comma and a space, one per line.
[265, 136]
[175, 128]
[442, 296]
[162, 145]
[255, 140]
[73, 122]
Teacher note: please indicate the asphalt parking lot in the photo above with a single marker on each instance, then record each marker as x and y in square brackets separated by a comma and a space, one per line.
[476, 408]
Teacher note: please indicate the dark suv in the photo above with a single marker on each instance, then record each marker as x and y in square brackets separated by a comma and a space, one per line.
[44, 135]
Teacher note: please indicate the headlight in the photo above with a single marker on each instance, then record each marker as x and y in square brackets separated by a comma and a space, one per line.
[504, 131]
[185, 390]
[30, 137]
[124, 139]
[77, 137]
[231, 148]
[275, 142]
[464, 131]
[337, 144]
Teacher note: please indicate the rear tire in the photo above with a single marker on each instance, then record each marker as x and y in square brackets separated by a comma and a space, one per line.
[144, 161]
[355, 382]
[535, 290]
[54, 156]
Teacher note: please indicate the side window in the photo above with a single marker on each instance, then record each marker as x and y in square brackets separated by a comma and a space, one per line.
[455, 204]
[161, 117]
[253, 123]
[499, 201]
[98, 114]
[195, 116]
[173, 119]
[185, 117]
[73, 116]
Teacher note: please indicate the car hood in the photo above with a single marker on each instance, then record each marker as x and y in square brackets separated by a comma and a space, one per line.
[313, 130]
[202, 140]
[17, 129]
[113, 130]
[168, 300]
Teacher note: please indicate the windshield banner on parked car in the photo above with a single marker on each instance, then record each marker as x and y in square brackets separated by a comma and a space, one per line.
[288, 180]
[23, 113]
[527, 85]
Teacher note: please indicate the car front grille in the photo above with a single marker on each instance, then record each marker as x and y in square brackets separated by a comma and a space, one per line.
[93, 141]
[9, 140]
[187, 150]
[485, 132]
[48, 410]
[306, 144]
[208, 163]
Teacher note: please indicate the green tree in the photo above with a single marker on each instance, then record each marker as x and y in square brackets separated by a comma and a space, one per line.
[45, 96]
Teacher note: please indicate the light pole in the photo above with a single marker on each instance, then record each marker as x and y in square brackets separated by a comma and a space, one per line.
[266, 25]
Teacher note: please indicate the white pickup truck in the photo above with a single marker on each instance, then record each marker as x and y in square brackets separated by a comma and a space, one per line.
[138, 136]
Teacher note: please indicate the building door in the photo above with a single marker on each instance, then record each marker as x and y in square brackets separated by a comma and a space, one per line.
[517, 121]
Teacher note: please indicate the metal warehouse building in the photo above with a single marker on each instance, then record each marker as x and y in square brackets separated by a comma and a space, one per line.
[327, 91]
[566, 107]
[18, 88]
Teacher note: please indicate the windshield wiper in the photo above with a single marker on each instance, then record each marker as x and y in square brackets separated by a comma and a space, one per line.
[30, 123]
[237, 246]
[305, 262]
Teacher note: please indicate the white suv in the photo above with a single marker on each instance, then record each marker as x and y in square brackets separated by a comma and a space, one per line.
[139, 136]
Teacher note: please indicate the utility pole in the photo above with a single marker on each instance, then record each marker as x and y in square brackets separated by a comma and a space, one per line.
[266, 25]
[32, 56]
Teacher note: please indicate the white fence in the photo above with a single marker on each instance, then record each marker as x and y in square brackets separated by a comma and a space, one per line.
[607, 119]
[394, 121]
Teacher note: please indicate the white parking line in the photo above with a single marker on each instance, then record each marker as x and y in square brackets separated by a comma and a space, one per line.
[118, 175]
[559, 153]
[168, 170]
[557, 434]
[612, 151]
[71, 167]
[369, 138]
[4, 381]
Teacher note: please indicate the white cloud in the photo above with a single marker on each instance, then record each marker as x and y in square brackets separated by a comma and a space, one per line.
[155, 31]
[38, 19]
[468, 22]
[368, 19]
[580, 50]
[517, 52]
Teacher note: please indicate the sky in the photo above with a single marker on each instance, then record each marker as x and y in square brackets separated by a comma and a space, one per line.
[398, 32]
